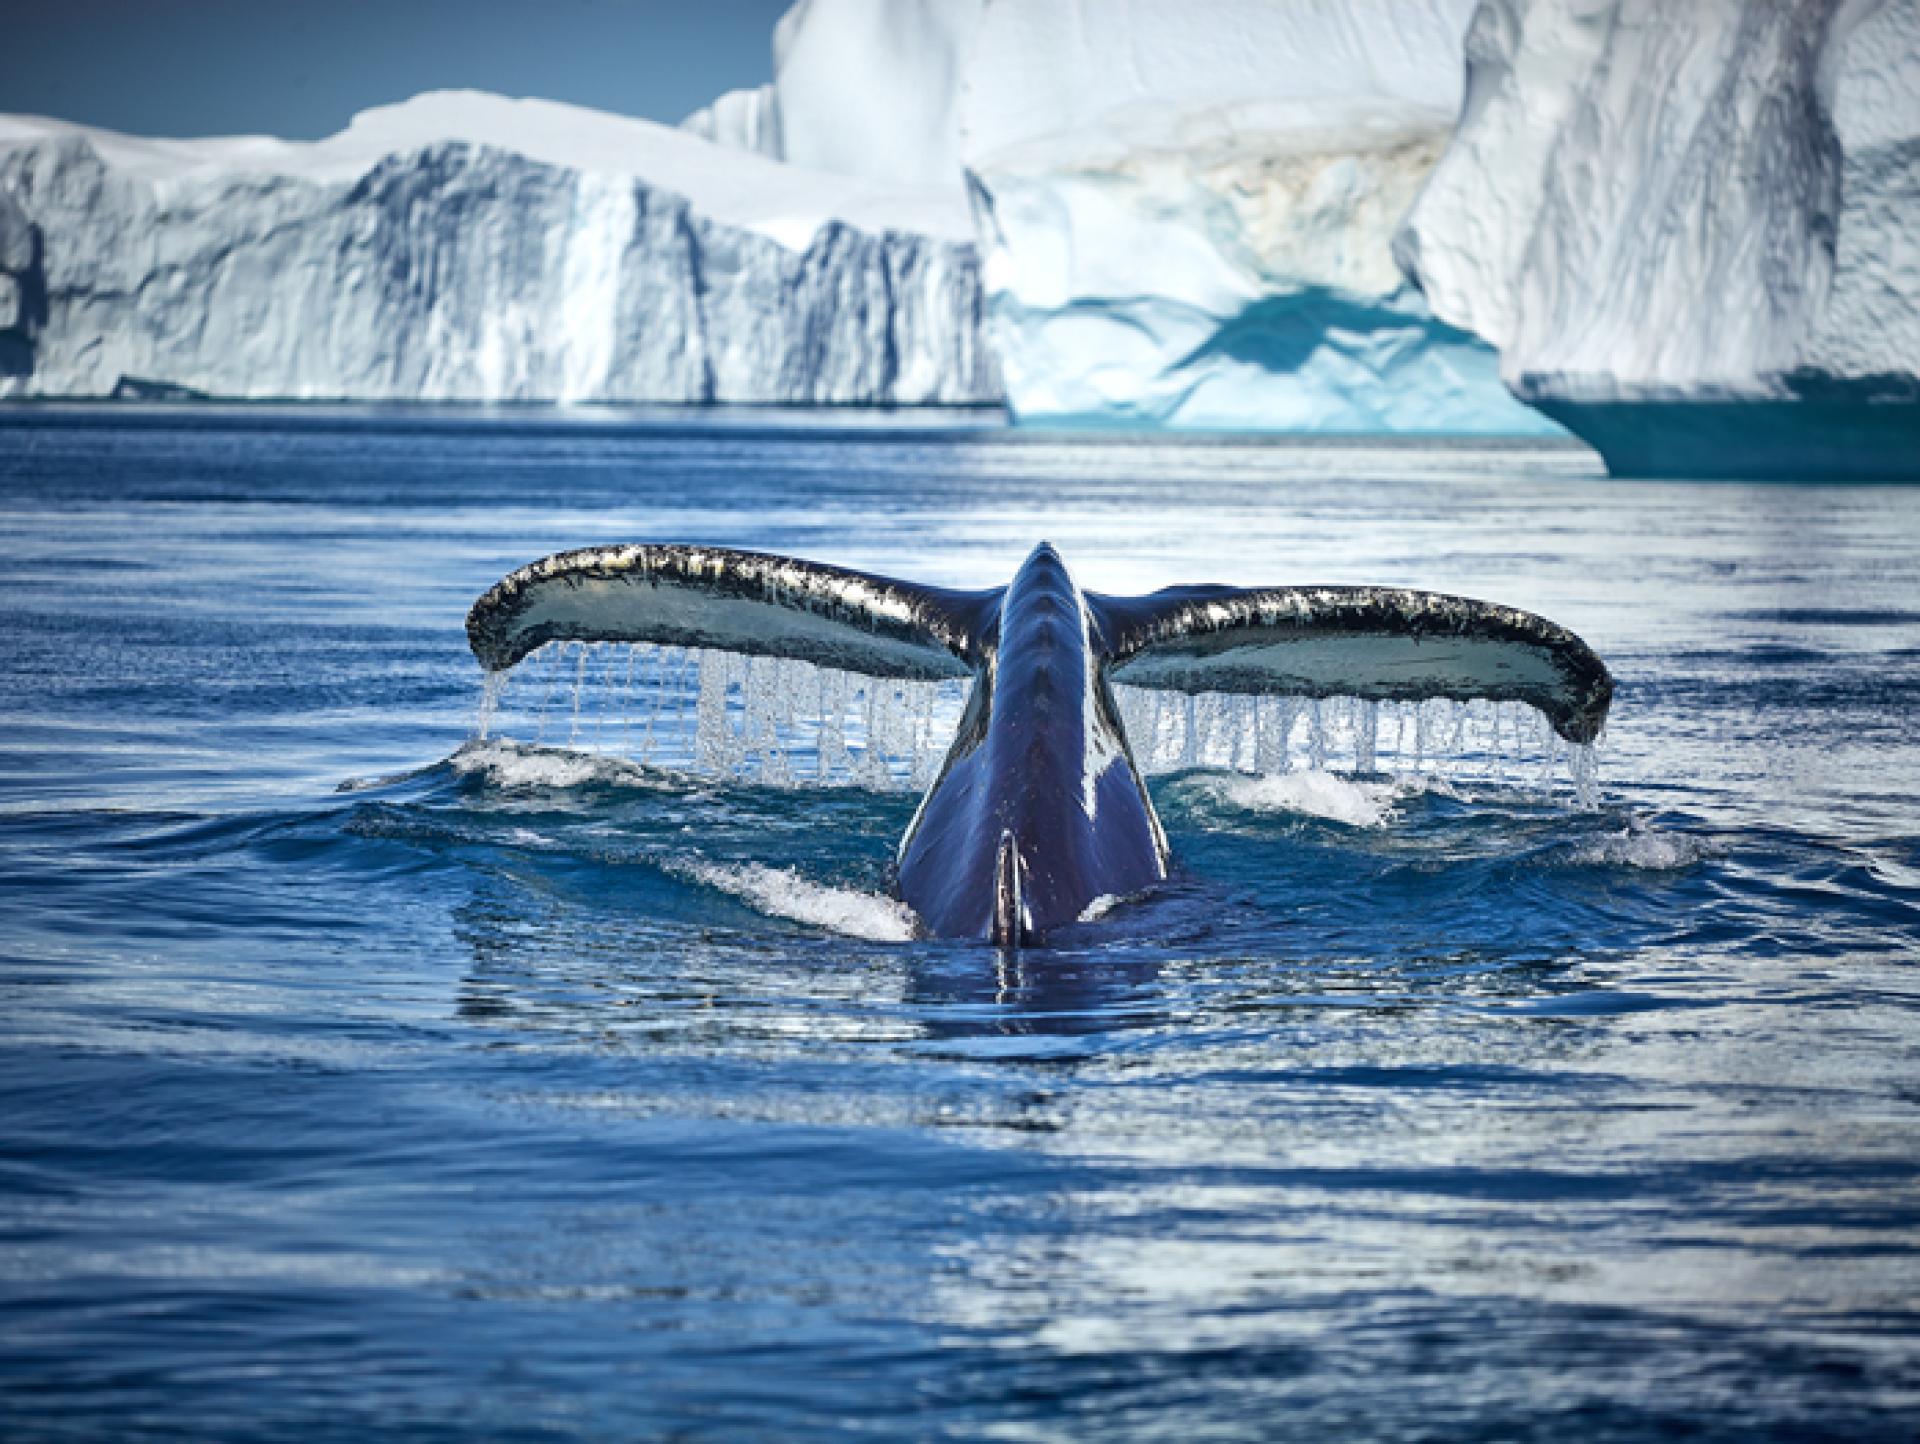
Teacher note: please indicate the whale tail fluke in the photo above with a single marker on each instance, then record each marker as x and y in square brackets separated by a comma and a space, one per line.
[1375, 643]
[1040, 758]
[736, 601]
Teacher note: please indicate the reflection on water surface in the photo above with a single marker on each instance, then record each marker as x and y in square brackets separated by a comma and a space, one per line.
[530, 1094]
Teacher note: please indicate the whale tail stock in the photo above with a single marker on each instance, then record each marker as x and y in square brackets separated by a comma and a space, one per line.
[1376, 643]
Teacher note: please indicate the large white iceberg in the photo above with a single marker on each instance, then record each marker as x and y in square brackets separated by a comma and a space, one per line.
[1687, 230]
[864, 88]
[468, 247]
[1692, 230]
[1187, 218]
[1184, 210]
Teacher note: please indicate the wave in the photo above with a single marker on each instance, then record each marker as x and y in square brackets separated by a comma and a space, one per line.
[1325, 795]
[503, 763]
[1642, 846]
[783, 893]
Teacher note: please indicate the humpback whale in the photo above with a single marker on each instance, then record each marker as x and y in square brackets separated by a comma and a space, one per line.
[1039, 807]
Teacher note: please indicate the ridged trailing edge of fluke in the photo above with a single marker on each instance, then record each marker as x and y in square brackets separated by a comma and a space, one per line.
[1039, 807]
[740, 601]
[1377, 643]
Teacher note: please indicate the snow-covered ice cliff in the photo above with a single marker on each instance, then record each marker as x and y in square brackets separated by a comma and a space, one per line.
[468, 247]
[1692, 230]
[1187, 217]
[20, 289]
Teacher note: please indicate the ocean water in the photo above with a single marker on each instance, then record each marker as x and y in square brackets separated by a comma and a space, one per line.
[361, 1080]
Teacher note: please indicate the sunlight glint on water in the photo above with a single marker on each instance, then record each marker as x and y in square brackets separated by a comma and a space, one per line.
[525, 1091]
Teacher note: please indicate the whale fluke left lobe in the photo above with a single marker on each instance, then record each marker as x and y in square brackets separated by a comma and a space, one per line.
[736, 601]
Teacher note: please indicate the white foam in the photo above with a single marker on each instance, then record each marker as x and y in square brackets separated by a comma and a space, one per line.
[390, 779]
[1311, 794]
[782, 892]
[1641, 846]
[505, 763]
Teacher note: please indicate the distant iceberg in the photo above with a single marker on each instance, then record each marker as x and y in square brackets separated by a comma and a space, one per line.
[1188, 221]
[1688, 232]
[466, 247]
[1692, 230]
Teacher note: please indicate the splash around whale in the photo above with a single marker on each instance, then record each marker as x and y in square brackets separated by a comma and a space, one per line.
[1040, 807]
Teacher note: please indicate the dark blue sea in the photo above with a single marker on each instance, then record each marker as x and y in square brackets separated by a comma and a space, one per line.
[361, 1081]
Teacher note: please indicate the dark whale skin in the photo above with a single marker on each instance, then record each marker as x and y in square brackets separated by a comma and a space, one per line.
[1041, 760]
[1039, 809]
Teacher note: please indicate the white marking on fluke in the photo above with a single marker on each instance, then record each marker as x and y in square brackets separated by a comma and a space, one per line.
[1009, 909]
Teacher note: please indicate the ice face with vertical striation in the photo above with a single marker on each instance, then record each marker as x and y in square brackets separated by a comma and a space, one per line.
[1692, 230]
[1186, 218]
[468, 247]
[1689, 232]
[20, 296]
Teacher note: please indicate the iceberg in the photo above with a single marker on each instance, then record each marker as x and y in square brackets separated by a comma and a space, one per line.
[1688, 233]
[1692, 231]
[466, 247]
[1188, 220]
[21, 294]
[866, 88]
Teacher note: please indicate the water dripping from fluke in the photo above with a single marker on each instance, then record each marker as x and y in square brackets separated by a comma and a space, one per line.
[776, 722]
[767, 721]
[1037, 710]
[1491, 744]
